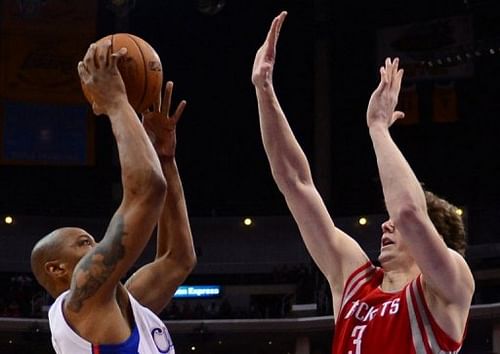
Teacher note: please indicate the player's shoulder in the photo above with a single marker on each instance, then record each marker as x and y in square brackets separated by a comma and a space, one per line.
[365, 274]
[461, 294]
[363, 271]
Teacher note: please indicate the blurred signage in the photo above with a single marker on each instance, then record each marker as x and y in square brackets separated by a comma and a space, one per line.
[198, 291]
[45, 134]
[41, 43]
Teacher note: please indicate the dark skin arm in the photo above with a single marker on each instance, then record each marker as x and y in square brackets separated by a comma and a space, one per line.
[155, 283]
[92, 295]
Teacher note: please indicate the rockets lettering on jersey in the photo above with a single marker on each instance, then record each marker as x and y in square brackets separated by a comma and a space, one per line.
[371, 321]
[364, 312]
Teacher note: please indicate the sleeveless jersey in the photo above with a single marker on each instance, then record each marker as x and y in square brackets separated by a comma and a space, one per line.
[149, 335]
[371, 321]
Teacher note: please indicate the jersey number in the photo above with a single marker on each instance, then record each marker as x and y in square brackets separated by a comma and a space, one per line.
[357, 333]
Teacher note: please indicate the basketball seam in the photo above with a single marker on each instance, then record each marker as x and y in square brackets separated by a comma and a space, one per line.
[141, 102]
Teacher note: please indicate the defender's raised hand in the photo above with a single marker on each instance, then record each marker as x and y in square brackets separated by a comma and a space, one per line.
[262, 73]
[385, 97]
[160, 125]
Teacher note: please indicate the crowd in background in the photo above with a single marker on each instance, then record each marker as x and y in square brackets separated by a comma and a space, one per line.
[23, 297]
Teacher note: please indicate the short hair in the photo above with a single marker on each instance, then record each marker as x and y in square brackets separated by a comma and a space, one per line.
[448, 223]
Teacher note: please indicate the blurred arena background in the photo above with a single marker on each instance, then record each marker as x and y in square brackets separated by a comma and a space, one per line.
[58, 163]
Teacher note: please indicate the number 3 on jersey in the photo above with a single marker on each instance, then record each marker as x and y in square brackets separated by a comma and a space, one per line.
[357, 334]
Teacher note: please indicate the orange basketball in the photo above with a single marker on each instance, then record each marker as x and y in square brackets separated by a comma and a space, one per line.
[140, 68]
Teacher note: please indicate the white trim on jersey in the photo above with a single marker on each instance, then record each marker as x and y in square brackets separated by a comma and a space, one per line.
[153, 335]
[356, 283]
[418, 335]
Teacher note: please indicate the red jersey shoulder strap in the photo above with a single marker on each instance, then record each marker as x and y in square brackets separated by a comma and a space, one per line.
[427, 336]
[356, 280]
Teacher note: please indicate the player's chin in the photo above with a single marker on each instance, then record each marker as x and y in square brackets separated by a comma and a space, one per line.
[384, 255]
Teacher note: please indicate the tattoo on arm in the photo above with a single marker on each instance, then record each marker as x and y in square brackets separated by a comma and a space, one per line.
[96, 267]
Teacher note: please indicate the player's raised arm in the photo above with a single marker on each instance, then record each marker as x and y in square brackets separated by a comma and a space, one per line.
[155, 283]
[99, 271]
[447, 279]
[336, 254]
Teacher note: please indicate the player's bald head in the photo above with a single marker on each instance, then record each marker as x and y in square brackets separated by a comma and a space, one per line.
[51, 248]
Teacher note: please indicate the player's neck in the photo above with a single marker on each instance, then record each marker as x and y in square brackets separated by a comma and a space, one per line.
[396, 279]
[57, 290]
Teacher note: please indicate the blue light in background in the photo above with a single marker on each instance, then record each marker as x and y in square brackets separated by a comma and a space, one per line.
[198, 291]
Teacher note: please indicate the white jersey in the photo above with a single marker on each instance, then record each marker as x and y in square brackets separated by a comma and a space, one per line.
[149, 335]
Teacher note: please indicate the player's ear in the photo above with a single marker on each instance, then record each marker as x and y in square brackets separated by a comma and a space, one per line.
[56, 268]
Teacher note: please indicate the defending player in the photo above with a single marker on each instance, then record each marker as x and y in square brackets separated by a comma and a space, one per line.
[418, 300]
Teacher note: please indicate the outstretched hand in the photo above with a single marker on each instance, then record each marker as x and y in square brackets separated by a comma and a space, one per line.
[101, 80]
[262, 73]
[385, 97]
[160, 125]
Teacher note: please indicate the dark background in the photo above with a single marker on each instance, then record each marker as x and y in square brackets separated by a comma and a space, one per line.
[223, 166]
[220, 155]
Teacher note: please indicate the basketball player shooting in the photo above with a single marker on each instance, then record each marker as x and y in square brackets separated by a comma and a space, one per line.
[419, 299]
[93, 312]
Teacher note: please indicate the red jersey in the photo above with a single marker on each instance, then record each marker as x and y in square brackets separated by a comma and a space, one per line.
[372, 321]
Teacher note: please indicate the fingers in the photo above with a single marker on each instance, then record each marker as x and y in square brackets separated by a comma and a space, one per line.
[157, 103]
[388, 69]
[273, 34]
[88, 59]
[383, 80]
[167, 101]
[280, 19]
[276, 27]
[395, 64]
[178, 112]
[167, 98]
[109, 53]
[101, 54]
[83, 72]
[396, 85]
[395, 116]
[115, 57]
[96, 109]
[391, 75]
[384, 75]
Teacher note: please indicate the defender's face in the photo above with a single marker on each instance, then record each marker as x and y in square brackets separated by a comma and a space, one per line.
[391, 243]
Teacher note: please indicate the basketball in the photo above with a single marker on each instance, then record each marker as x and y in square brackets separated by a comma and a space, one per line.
[140, 68]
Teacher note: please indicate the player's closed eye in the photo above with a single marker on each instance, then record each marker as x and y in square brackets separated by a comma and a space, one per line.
[85, 242]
